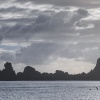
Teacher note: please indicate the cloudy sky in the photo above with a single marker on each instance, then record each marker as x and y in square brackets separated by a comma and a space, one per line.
[50, 35]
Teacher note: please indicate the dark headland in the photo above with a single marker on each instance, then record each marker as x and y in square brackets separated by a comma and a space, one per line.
[30, 74]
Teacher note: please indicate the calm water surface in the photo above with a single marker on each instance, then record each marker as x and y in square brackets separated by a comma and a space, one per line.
[50, 90]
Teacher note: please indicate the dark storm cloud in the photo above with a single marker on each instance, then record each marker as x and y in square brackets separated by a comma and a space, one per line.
[87, 50]
[38, 53]
[57, 23]
[82, 12]
[43, 23]
[22, 22]
[80, 3]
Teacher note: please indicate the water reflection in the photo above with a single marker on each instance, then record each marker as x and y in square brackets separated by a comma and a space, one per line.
[50, 90]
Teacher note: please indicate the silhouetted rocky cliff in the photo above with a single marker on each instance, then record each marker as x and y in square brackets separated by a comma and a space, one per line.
[29, 73]
[95, 73]
[7, 74]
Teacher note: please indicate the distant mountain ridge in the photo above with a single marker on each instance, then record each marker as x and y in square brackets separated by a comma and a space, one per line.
[30, 74]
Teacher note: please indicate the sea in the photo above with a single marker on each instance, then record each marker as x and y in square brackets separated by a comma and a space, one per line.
[50, 90]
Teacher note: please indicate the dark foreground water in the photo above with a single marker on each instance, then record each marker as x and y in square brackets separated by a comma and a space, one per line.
[50, 90]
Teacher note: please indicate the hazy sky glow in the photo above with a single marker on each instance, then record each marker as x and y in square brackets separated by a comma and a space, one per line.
[50, 34]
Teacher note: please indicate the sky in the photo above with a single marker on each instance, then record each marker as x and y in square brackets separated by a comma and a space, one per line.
[50, 35]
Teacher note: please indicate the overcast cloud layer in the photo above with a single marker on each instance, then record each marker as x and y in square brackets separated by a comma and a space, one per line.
[50, 34]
